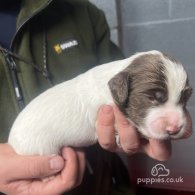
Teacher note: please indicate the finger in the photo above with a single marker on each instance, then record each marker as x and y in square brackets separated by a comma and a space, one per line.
[129, 137]
[105, 128]
[157, 149]
[188, 130]
[68, 178]
[28, 167]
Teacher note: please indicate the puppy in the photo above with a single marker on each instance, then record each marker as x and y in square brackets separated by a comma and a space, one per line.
[151, 89]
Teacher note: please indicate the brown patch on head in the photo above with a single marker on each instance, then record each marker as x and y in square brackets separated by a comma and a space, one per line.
[140, 86]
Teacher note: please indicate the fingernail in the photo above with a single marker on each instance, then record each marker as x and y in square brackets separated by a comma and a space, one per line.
[56, 163]
[106, 109]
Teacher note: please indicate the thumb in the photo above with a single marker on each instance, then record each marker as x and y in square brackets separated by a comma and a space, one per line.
[28, 167]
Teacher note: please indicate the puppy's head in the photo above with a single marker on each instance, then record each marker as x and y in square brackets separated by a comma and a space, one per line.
[152, 92]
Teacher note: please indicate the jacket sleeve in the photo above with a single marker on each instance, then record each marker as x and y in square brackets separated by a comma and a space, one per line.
[106, 50]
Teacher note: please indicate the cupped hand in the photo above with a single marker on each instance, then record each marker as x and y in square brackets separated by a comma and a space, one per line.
[40, 175]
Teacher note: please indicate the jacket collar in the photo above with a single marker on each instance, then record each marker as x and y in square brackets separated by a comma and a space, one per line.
[30, 8]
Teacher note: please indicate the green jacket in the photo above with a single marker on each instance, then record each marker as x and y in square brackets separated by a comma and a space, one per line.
[42, 27]
[66, 36]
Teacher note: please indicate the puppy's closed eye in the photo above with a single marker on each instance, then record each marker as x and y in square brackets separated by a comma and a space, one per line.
[157, 96]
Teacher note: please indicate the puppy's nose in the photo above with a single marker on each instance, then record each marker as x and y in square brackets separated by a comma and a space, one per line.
[173, 129]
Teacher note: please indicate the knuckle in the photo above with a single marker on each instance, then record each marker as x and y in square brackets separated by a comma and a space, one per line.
[108, 145]
[131, 148]
[125, 127]
[124, 123]
[106, 122]
[34, 170]
[135, 146]
[130, 151]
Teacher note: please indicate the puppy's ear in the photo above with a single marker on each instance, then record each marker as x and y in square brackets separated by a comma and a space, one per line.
[120, 86]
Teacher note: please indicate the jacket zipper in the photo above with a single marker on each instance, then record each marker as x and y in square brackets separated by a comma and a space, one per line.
[13, 71]
[12, 65]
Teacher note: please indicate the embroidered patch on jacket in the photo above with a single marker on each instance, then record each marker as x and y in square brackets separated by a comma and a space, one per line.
[64, 46]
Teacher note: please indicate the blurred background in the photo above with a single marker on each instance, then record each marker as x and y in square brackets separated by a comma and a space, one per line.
[169, 26]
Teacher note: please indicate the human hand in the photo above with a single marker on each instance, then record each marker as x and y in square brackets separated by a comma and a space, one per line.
[130, 140]
[40, 175]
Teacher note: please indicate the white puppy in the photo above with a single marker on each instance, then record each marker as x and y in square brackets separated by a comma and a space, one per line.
[150, 88]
